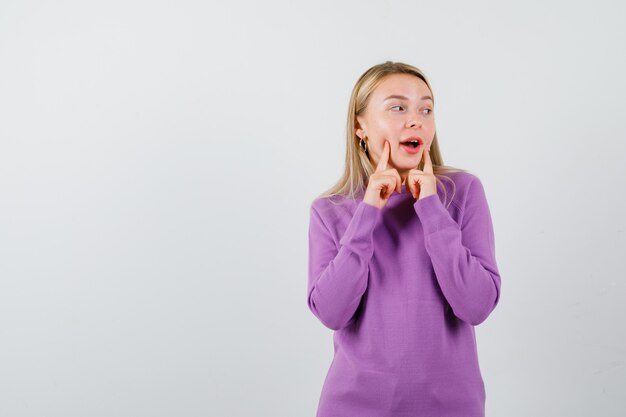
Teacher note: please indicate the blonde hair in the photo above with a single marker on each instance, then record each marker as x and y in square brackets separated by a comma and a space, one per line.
[358, 167]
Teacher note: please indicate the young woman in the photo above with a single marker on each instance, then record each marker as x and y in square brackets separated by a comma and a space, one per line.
[401, 261]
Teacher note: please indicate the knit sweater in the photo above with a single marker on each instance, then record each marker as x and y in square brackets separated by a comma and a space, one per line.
[403, 287]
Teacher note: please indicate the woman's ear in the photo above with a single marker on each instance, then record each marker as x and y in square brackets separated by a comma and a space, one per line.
[359, 131]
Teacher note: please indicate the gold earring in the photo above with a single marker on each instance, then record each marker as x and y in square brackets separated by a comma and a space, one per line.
[363, 145]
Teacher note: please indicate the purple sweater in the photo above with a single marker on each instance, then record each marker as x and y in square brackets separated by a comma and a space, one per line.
[403, 287]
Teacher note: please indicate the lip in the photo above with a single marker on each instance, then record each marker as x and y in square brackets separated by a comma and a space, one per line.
[417, 138]
[409, 149]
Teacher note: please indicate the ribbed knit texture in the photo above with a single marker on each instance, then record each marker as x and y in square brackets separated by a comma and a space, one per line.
[403, 287]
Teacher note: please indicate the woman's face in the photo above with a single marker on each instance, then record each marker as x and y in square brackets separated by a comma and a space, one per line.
[399, 108]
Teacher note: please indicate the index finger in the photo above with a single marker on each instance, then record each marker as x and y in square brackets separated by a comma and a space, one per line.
[382, 163]
[428, 165]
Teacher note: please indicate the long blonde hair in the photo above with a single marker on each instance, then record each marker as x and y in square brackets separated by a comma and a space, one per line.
[358, 168]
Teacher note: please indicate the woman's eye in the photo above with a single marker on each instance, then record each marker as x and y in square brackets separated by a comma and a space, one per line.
[428, 111]
[396, 106]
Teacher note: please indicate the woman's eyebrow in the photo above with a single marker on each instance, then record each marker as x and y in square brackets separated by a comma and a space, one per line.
[405, 98]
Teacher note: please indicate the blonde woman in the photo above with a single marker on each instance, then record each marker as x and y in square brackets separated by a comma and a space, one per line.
[401, 261]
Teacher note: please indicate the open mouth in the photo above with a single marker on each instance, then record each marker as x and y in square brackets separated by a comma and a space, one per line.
[412, 145]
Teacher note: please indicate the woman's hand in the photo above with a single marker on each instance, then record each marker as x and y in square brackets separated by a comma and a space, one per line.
[382, 182]
[422, 183]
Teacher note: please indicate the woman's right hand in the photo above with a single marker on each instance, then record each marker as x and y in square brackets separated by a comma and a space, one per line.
[382, 182]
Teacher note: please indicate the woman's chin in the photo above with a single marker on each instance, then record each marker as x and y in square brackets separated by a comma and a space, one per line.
[409, 161]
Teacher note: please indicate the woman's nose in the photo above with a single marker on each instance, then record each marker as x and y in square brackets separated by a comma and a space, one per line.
[414, 119]
[414, 122]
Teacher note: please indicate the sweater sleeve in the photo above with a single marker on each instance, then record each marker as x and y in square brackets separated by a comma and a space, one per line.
[463, 256]
[338, 274]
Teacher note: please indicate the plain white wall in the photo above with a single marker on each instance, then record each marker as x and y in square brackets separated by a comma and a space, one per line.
[158, 160]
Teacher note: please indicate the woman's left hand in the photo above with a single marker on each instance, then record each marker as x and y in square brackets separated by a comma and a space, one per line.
[422, 183]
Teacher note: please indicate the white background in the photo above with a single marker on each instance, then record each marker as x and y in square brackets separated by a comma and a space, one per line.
[158, 160]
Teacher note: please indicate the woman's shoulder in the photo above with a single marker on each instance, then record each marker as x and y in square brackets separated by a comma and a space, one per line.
[460, 185]
[461, 179]
[333, 206]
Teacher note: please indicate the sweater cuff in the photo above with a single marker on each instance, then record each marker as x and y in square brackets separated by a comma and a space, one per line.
[432, 214]
[358, 234]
